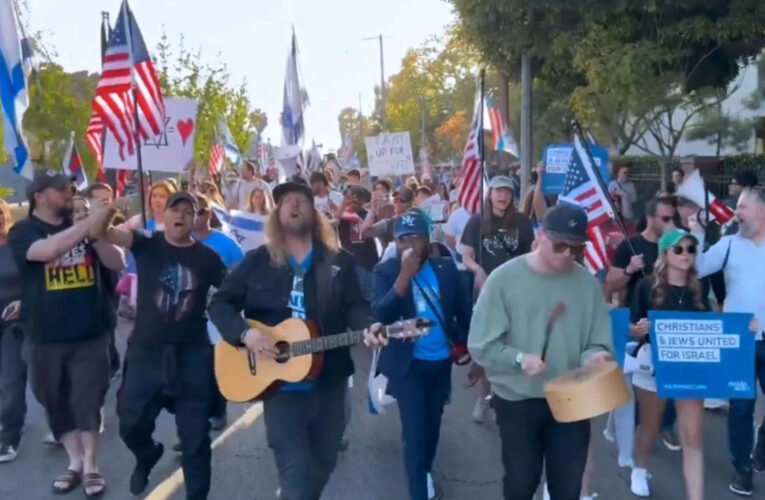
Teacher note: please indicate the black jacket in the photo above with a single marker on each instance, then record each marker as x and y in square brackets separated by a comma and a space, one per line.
[262, 289]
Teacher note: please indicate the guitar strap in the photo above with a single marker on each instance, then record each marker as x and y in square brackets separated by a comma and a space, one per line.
[323, 284]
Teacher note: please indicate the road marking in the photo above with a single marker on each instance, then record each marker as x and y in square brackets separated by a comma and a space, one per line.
[169, 486]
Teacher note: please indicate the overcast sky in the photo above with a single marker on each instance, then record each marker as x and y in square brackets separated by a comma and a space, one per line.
[252, 37]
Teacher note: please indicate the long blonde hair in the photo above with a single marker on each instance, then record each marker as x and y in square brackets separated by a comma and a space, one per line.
[268, 202]
[661, 286]
[322, 232]
[5, 209]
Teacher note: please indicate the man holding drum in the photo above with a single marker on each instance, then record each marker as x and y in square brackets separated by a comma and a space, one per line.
[524, 336]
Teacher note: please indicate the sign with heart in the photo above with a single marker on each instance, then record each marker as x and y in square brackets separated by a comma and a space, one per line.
[170, 151]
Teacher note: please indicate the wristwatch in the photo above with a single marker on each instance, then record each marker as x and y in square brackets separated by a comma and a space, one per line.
[519, 358]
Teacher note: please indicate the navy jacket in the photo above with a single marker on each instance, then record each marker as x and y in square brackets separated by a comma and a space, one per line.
[389, 307]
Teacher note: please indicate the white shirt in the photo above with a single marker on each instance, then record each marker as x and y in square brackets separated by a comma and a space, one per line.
[322, 204]
[744, 274]
[455, 226]
[242, 191]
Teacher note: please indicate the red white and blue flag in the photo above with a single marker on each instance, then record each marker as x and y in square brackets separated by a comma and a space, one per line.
[73, 165]
[694, 189]
[127, 65]
[502, 136]
[583, 188]
[469, 177]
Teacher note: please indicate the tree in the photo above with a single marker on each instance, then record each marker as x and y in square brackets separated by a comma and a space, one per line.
[217, 98]
[355, 127]
[720, 128]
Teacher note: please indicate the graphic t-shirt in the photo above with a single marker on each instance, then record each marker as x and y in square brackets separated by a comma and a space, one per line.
[623, 255]
[433, 346]
[173, 283]
[364, 250]
[298, 306]
[508, 241]
[61, 298]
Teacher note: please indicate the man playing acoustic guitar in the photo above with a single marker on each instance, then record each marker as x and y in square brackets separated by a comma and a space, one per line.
[299, 273]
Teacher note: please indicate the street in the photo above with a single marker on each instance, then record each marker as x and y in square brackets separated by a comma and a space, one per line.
[467, 465]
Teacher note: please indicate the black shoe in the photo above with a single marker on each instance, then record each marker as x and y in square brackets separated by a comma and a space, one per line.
[742, 483]
[140, 477]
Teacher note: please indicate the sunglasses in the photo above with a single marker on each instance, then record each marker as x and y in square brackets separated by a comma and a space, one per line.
[666, 218]
[575, 249]
[680, 250]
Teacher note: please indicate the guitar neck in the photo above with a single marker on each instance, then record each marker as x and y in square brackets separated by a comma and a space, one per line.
[328, 342]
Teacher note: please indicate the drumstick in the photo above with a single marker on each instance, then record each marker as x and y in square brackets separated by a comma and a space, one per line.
[560, 308]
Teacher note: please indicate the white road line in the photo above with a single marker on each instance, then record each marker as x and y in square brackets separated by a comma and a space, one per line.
[169, 486]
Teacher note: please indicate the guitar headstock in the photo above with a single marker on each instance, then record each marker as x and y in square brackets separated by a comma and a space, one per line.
[409, 328]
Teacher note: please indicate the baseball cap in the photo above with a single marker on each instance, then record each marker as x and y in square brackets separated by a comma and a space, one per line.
[744, 179]
[502, 181]
[44, 179]
[566, 222]
[672, 237]
[404, 194]
[180, 196]
[295, 185]
[412, 222]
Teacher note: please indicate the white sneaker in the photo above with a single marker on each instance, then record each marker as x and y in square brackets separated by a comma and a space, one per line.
[481, 410]
[715, 404]
[431, 487]
[546, 493]
[589, 497]
[7, 453]
[50, 440]
[639, 482]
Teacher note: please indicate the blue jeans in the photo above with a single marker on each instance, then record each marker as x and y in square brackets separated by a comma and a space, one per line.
[740, 419]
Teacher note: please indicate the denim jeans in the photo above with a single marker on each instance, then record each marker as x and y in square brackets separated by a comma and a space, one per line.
[13, 383]
[740, 420]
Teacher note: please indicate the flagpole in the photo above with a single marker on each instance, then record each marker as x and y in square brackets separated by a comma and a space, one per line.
[481, 157]
[105, 34]
[136, 125]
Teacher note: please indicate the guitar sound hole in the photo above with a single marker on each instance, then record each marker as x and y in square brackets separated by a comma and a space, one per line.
[284, 352]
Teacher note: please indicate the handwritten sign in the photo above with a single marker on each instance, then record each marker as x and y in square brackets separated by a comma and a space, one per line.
[702, 355]
[170, 151]
[390, 154]
[557, 158]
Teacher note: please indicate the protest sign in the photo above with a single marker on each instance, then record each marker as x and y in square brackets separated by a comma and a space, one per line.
[390, 154]
[702, 355]
[557, 158]
[170, 151]
[436, 210]
[620, 331]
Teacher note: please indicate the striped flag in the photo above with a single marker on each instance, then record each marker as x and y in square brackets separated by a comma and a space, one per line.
[502, 136]
[73, 165]
[127, 64]
[694, 189]
[94, 137]
[216, 158]
[584, 189]
[471, 170]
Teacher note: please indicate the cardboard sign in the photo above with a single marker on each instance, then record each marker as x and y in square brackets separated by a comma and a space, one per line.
[702, 355]
[390, 154]
[170, 151]
[557, 158]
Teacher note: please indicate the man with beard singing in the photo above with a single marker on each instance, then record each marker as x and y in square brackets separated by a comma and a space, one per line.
[299, 273]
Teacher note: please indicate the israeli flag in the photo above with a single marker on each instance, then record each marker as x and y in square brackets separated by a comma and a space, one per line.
[248, 229]
[15, 60]
[230, 148]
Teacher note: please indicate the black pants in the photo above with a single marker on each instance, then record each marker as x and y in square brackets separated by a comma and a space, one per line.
[13, 383]
[304, 429]
[177, 378]
[530, 438]
[421, 396]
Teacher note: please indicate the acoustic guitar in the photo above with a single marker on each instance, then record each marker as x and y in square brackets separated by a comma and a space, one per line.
[243, 376]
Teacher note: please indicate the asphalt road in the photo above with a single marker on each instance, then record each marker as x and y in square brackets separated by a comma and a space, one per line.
[467, 466]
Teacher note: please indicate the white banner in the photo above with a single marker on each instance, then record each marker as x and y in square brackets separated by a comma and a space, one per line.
[170, 151]
[390, 154]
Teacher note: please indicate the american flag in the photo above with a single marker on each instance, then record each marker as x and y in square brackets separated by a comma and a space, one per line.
[469, 176]
[502, 137]
[72, 165]
[94, 137]
[127, 63]
[584, 189]
[216, 158]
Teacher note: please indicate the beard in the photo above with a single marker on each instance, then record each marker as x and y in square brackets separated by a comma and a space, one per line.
[297, 226]
[65, 211]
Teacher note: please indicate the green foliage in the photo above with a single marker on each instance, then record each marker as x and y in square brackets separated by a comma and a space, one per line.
[721, 129]
[351, 123]
[183, 75]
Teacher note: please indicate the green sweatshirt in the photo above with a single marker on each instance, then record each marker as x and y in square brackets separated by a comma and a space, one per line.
[512, 314]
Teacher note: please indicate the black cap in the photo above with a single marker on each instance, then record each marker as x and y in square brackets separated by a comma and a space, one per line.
[744, 179]
[566, 222]
[44, 179]
[297, 184]
[179, 196]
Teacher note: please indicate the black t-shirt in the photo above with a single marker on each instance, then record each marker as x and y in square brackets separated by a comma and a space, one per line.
[678, 298]
[623, 255]
[503, 244]
[61, 299]
[173, 283]
[364, 250]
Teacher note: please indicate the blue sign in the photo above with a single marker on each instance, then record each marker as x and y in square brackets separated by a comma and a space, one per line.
[702, 355]
[557, 158]
[620, 331]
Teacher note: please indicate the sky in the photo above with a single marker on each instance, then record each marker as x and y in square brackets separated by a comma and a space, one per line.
[252, 37]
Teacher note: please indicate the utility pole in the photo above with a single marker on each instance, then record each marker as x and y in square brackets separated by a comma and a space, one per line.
[527, 141]
[383, 113]
[422, 122]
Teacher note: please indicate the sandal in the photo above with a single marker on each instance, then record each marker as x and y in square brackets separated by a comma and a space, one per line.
[93, 480]
[71, 479]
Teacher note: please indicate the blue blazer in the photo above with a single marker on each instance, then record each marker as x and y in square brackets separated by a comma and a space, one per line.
[388, 307]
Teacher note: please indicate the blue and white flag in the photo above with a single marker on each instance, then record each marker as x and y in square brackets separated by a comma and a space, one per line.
[248, 229]
[295, 99]
[15, 64]
[230, 149]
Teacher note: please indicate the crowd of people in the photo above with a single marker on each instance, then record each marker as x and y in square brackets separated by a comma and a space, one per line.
[504, 286]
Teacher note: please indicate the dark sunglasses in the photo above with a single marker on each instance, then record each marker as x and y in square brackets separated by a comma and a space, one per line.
[679, 250]
[575, 249]
[666, 218]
